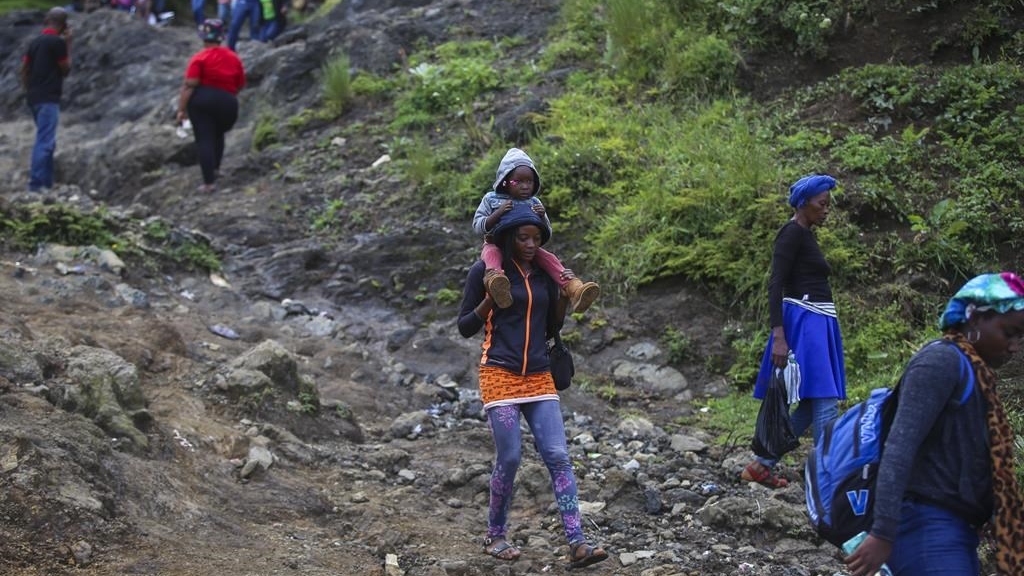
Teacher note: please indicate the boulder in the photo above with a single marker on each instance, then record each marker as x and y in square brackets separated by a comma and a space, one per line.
[275, 362]
[106, 388]
[18, 364]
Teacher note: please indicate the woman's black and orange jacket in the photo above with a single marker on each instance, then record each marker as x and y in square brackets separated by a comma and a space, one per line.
[515, 338]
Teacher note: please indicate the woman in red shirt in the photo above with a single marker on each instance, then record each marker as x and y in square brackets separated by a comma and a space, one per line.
[208, 98]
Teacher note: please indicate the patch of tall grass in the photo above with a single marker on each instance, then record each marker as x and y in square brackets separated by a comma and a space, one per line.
[337, 84]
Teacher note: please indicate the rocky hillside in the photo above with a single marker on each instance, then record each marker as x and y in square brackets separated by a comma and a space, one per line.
[209, 384]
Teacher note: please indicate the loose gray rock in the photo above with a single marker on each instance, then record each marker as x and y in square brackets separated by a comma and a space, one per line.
[643, 351]
[274, 361]
[262, 456]
[18, 364]
[684, 443]
[410, 424]
[661, 380]
[105, 388]
[741, 513]
[137, 298]
[242, 382]
[639, 427]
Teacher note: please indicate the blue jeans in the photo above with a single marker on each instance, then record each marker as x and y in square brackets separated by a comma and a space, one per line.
[224, 12]
[271, 29]
[545, 420]
[244, 10]
[933, 542]
[197, 11]
[46, 116]
[812, 413]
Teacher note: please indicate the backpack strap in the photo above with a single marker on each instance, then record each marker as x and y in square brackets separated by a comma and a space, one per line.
[966, 371]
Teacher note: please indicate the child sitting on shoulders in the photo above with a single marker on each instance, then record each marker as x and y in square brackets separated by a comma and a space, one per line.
[518, 182]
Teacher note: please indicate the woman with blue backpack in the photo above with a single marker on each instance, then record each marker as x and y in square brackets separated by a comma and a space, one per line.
[947, 464]
[803, 322]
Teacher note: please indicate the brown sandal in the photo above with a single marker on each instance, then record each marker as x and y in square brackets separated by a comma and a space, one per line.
[501, 549]
[583, 554]
[757, 472]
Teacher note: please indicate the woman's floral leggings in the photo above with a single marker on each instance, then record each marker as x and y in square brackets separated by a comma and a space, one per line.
[545, 420]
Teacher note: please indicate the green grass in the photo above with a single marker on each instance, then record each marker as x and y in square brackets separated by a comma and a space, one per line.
[13, 5]
[264, 131]
[25, 226]
[732, 418]
[337, 84]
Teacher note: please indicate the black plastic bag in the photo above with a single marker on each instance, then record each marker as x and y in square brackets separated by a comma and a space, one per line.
[562, 368]
[773, 434]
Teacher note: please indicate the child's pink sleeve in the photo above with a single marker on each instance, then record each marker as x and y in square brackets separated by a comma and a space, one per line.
[491, 255]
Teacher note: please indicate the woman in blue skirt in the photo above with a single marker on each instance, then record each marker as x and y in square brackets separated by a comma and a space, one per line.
[803, 320]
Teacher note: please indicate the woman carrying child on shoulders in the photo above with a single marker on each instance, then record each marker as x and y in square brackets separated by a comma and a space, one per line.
[518, 183]
[516, 382]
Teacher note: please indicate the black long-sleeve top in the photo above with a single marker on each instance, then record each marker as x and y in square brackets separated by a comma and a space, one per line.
[937, 450]
[799, 270]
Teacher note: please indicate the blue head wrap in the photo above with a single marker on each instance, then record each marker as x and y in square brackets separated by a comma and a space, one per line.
[808, 187]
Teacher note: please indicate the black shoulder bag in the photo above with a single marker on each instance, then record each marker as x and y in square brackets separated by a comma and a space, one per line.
[559, 357]
[562, 368]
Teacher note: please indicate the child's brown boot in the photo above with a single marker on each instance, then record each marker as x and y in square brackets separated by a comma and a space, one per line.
[581, 294]
[497, 285]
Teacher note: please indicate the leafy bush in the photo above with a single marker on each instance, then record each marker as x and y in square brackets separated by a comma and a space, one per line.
[446, 81]
[577, 38]
[698, 205]
[702, 66]
[802, 26]
[370, 85]
[942, 243]
[679, 345]
[447, 296]
[28, 225]
[329, 217]
[185, 248]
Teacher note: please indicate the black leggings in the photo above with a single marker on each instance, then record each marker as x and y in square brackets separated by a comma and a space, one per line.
[213, 113]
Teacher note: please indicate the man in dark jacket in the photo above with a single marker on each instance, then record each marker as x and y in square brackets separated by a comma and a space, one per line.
[43, 68]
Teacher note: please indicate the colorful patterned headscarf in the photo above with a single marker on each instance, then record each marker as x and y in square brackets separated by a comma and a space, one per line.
[808, 187]
[1000, 292]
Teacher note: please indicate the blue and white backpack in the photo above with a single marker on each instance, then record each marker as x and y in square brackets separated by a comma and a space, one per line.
[842, 468]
